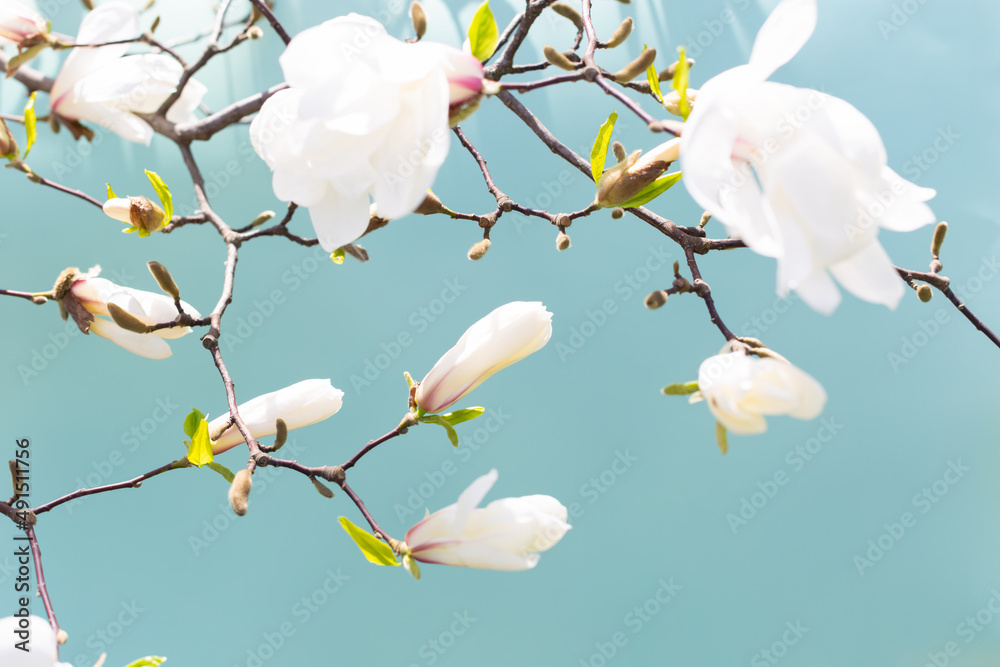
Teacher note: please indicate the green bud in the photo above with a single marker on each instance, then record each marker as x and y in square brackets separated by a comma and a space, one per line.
[619, 151]
[621, 34]
[925, 293]
[164, 280]
[557, 58]
[617, 213]
[637, 66]
[127, 320]
[419, 18]
[939, 233]
[568, 12]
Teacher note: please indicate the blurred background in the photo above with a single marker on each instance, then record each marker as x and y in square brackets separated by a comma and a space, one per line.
[791, 548]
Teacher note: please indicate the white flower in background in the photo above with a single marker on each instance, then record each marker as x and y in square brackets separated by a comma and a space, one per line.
[742, 389]
[799, 175]
[505, 336]
[41, 642]
[103, 85]
[365, 115]
[507, 534]
[94, 294]
[298, 405]
[18, 22]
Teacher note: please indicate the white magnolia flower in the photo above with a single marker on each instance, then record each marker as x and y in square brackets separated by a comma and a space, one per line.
[94, 294]
[365, 115]
[18, 22]
[507, 534]
[104, 86]
[505, 336]
[301, 404]
[799, 175]
[741, 389]
[39, 638]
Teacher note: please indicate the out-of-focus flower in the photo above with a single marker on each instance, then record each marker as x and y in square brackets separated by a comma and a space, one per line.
[37, 635]
[104, 86]
[298, 405]
[365, 115]
[799, 175]
[18, 23]
[507, 534]
[505, 336]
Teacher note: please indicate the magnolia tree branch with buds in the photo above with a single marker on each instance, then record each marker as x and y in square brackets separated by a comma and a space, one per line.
[812, 197]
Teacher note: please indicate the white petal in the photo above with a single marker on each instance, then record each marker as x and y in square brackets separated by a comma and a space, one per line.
[43, 648]
[819, 292]
[471, 498]
[868, 274]
[783, 35]
[906, 211]
[339, 220]
[145, 345]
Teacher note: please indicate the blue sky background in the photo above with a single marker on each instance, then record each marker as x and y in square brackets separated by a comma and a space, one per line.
[203, 587]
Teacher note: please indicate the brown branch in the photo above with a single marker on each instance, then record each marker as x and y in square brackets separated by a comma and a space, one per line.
[43, 589]
[272, 19]
[133, 483]
[701, 288]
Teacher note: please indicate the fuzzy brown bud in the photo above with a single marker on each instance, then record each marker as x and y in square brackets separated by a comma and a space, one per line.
[430, 205]
[156, 24]
[925, 293]
[668, 73]
[65, 280]
[656, 299]
[557, 58]
[127, 320]
[568, 12]
[8, 147]
[323, 489]
[939, 233]
[619, 151]
[621, 34]
[164, 280]
[479, 249]
[419, 18]
[637, 66]
[563, 241]
[617, 213]
[239, 491]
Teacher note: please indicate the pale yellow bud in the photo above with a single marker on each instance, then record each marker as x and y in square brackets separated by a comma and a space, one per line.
[479, 249]
[621, 34]
[239, 491]
[419, 19]
[637, 66]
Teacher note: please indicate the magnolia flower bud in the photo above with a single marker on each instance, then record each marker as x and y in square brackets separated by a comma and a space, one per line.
[479, 249]
[164, 280]
[672, 100]
[505, 336]
[925, 293]
[568, 12]
[419, 19]
[255, 32]
[667, 73]
[262, 218]
[298, 405]
[18, 23]
[8, 147]
[139, 212]
[508, 534]
[127, 320]
[626, 179]
[620, 34]
[637, 66]
[617, 213]
[619, 150]
[239, 491]
[562, 241]
[558, 58]
[656, 299]
[939, 233]
[429, 206]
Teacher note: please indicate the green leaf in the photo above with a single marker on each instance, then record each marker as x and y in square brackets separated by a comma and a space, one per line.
[653, 190]
[599, 153]
[441, 421]
[682, 389]
[680, 82]
[653, 79]
[409, 379]
[191, 422]
[200, 451]
[374, 549]
[483, 33]
[163, 192]
[148, 661]
[111, 193]
[29, 123]
[463, 415]
[721, 437]
[222, 470]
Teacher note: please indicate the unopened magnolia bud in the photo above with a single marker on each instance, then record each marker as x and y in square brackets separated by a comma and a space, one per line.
[127, 320]
[562, 220]
[138, 211]
[621, 34]
[569, 12]
[38, 300]
[323, 489]
[668, 73]
[705, 217]
[65, 280]
[619, 151]
[925, 293]
[239, 491]
[262, 218]
[156, 24]
[557, 58]
[255, 32]
[672, 100]
[164, 280]
[479, 249]
[617, 213]
[280, 434]
[419, 19]
[88, 4]
[8, 147]
[656, 299]
[939, 233]
[430, 205]
[62, 636]
[33, 177]
[562, 241]
[637, 66]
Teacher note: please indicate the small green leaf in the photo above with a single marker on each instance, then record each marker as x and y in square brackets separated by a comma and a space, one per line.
[200, 451]
[441, 421]
[653, 190]
[148, 661]
[653, 79]
[600, 151]
[721, 437]
[463, 415]
[338, 256]
[411, 566]
[222, 470]
[191, 422]
[682, 389]
[409, 379]
[29, 123]
[374, 549]
[111, 193]
[483, 33]
[680, 82]
[163, 192]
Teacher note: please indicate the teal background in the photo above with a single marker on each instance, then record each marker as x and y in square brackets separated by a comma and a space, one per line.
[207, 588]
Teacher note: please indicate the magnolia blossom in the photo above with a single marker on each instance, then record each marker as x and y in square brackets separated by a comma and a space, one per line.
[627, 178]
[507, 534]
[741, 389]
[301, 404]
[104, 86]
[40, 640]
[94, 294]
[505, 336]
[365, 115]
[18, 22]
[799, 175]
